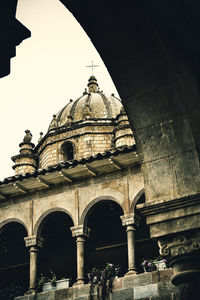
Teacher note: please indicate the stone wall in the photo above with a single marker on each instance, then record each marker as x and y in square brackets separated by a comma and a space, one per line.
[75, 199]
[87, 141]
[146, 286]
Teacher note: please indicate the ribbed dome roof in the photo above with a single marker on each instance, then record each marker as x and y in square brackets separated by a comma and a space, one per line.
[93, 104]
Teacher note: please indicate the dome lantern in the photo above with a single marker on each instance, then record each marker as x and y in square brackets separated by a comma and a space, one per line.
[92, 85]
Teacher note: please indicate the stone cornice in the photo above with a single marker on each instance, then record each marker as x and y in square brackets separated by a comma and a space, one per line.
[123, 136]
[156, 207]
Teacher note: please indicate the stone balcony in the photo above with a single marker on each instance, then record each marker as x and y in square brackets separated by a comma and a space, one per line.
[146, 286]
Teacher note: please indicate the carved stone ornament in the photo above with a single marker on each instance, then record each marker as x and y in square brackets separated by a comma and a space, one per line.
[33, 241]
[130, 219]
[179, 245]
[80, 230]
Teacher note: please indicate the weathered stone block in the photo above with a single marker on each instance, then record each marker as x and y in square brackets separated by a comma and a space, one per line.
[134, 280]
[81, 290]
[126, 294]
[164, 275]
[163, 297]
[64, 294]
[166, 288]
[145, 291]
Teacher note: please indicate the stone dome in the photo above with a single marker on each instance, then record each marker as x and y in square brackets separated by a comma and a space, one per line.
[92, 124]
[93, 104]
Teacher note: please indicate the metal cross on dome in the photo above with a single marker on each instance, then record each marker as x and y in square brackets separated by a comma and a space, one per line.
[92, 66]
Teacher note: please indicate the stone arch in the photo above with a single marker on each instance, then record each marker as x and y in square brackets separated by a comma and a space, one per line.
[135, 200]
[14, 220]
[14, 256]
[96, 200]
[41, 220]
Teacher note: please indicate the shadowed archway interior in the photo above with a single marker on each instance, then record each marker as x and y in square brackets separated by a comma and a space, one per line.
[58, 253]
[107, 241]
[14, 260]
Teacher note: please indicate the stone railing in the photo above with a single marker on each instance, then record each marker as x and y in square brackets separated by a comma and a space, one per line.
[150, 285]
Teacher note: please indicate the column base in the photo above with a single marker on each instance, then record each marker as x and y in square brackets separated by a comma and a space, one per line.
[79, 282]
[131, 272]
[30, 292]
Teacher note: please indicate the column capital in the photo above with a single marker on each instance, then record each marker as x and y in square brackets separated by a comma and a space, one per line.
[130, 219]
[34, 241]
[80, 230]
[178, 245]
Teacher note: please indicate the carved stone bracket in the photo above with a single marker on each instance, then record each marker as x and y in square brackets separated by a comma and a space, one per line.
[179, 245]
[130, 219]
[80, 230]
[34, 241]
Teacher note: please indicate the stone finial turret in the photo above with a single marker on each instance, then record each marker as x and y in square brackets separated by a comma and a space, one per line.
[123, 132]
[25, 162]
[41, 136]
[54, 123]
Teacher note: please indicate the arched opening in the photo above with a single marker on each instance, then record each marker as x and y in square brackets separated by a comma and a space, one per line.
[107, 241]
[145, 247]
[58, 253]
[14, 261]
[67, 151]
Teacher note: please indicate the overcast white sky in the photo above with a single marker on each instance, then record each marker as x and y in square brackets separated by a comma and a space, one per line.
[48, 70]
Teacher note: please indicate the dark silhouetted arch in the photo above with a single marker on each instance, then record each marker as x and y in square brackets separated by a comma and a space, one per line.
[14, 258]
[67, 150]
[59, 250]
[107, 241]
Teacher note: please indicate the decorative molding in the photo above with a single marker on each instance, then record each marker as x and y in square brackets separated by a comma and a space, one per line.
[80, 230]
[178, 245]
[34, 241]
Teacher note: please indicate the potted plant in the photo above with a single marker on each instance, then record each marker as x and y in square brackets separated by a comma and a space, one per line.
[157, 264]
[103, 279]
[161, 264]
[51, 283]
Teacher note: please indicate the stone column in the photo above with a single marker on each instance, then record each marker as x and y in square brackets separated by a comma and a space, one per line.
[183, 252]
[81, 233]
[33, 243]
[131, 222]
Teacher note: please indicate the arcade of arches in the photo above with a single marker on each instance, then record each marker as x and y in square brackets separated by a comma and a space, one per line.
[106, 236]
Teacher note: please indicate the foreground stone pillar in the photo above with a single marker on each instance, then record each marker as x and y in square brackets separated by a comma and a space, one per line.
[33, 243]
[183, 251]
[81, 233]
[131, 222]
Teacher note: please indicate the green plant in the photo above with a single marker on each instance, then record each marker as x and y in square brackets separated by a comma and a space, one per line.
[149, 264]
[45, 279]
[103, 279]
